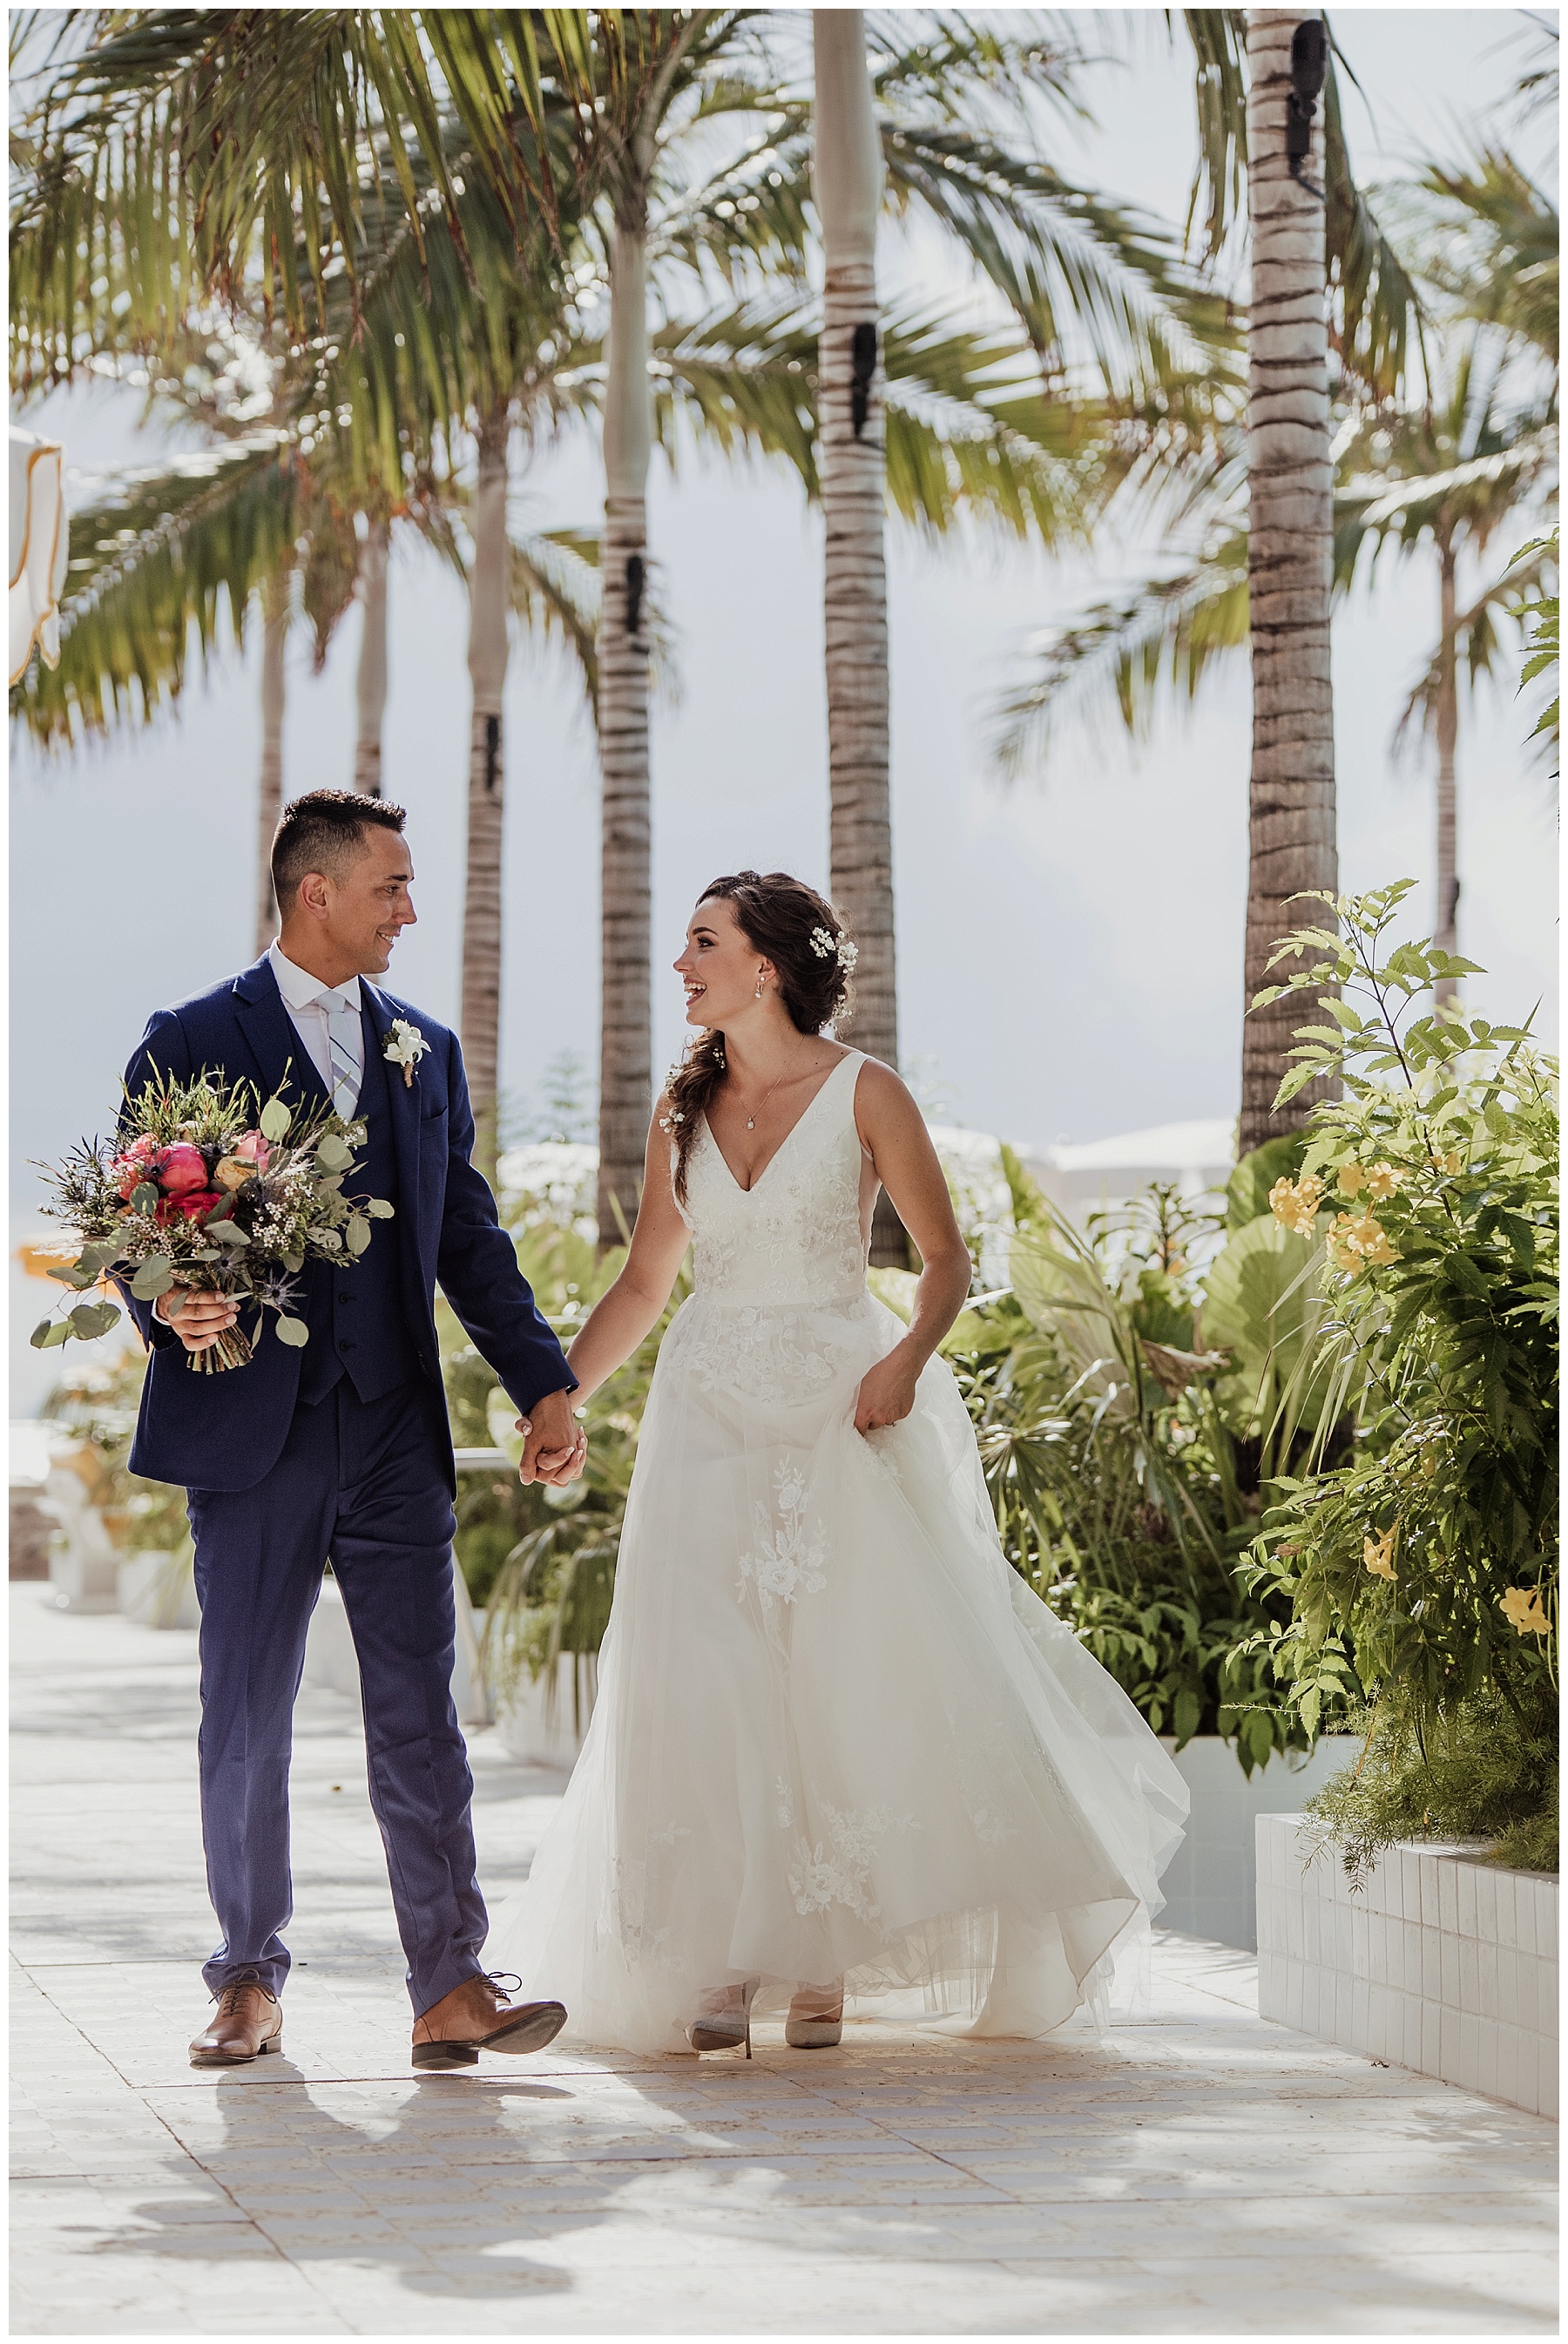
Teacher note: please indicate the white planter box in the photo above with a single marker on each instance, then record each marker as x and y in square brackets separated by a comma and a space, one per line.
[1440, 1961]
[542, 1731]
[158, 1590]
[1211, 1882]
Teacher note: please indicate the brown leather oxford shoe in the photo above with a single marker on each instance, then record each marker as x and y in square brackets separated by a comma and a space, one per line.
[478, 2016]
[247, 2025]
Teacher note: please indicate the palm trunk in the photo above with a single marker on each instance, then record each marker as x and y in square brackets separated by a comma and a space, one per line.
[274, 643]
[626, 1028]
[848, 170]
[1289, 567]
[481, 1009]
[371, 683]
[1447, 937]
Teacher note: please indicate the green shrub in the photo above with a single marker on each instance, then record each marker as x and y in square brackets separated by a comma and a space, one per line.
[1424, 1565]
[1486, 1774]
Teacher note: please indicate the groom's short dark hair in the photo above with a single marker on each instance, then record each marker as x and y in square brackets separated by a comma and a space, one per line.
[325, 831]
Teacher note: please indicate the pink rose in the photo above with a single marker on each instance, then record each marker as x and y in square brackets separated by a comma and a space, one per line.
[252, 1149]
[183, 1169]
[194, 1206]
[139, 1163]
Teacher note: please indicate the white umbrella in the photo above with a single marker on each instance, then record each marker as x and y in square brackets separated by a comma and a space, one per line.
[39, 548]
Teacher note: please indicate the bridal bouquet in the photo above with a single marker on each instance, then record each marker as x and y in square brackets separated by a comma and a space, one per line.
[206, 1187]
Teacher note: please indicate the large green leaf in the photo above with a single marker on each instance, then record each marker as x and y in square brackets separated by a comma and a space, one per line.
[1264, 1304]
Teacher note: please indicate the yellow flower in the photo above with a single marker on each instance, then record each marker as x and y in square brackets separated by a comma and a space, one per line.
[1378, 1556]
[232, 1172]
[1352, 1180]
[1359, 1241]
[1295, 1204]
[1384, 1182]
[1522, 1610]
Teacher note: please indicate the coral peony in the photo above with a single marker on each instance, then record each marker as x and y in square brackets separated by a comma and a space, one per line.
[183, 1169]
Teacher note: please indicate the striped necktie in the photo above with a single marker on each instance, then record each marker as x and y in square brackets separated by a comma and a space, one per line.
[345, 1041]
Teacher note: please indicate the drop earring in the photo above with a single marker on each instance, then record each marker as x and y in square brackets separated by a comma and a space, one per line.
[760, 986]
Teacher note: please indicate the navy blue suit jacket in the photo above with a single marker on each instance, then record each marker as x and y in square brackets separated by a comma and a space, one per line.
[226, 1431]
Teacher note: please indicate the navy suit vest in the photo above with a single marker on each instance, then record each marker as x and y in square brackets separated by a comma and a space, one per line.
[359, 1328]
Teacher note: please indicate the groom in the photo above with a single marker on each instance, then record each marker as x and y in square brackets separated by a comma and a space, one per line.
[342, 1448]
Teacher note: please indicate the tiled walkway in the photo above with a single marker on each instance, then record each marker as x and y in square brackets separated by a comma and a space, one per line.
[1202, 2172]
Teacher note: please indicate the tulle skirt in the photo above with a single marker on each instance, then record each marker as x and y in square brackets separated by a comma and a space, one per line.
[836, 1734]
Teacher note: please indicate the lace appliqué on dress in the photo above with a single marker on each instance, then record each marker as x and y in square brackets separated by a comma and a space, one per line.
[786, 1561]
[839, 1870]
[761, 1354]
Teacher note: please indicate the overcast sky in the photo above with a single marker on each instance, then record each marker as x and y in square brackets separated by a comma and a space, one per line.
[1070, 948]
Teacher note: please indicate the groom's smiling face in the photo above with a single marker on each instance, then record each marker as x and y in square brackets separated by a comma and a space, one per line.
[348, 920]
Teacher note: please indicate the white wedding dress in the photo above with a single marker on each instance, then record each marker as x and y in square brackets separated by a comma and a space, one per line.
[836, 1734]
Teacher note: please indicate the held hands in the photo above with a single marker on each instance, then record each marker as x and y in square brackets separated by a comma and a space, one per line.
[198, 1320]
[887, 1392]
[555, 1446]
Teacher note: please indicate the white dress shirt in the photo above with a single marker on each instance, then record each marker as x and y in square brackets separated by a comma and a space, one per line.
[303, 998]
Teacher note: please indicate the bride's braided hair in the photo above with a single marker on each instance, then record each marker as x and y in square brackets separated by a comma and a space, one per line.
[807, 942]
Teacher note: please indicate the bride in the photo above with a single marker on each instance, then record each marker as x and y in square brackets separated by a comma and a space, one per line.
[840, 1752]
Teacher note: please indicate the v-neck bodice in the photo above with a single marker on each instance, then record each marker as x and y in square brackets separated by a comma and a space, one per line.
[794, 1237]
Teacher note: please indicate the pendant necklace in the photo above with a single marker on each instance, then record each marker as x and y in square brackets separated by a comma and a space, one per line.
[751, 1119]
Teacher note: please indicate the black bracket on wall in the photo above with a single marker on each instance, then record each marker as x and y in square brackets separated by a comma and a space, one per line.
[1309, 71]
[862, 367]
[635, 572]
[492, 752]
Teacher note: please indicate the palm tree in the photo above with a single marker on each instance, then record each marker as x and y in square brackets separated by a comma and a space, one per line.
[370, 682]
[849, 190]
[1291, 838]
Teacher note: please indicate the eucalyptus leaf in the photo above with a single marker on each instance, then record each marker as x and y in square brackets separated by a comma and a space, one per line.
[291, 1331]
[273, 1121]
[331, 1153]
[229, 1231]
[356, 1236]
[89, 1319]
[155, 1277]
[143, 1198]
[378, 1208]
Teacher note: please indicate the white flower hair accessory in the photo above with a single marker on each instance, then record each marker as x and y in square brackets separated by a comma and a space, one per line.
[405, 1046]
[827, 946]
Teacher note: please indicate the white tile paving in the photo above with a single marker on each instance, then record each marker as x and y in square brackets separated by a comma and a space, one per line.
[1203, 2172]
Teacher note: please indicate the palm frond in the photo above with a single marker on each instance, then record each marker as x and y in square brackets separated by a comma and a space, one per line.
[1125, 652]
[162, 568]
[1478, 646]
[554, 589]
[1498, 257]
[1377, 306]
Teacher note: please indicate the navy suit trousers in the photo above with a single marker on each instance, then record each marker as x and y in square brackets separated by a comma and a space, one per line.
[365, 1484]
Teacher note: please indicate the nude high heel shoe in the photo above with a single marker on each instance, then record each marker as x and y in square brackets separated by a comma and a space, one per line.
[722, 2023]
[816, 2020]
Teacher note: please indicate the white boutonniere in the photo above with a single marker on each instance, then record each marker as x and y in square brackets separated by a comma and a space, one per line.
[405, 1046]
